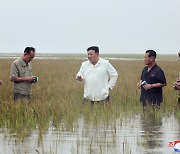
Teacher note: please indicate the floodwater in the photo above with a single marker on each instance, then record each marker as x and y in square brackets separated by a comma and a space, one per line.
[143, 133]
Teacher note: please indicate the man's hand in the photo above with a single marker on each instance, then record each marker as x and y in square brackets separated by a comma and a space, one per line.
[148, 86]
[79, 78]
[177, 86]
[139, 84]
[178, 80]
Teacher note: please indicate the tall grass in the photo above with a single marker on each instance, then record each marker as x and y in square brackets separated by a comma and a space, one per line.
[57, 97]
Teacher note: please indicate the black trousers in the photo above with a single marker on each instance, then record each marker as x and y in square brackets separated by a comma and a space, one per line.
[151, 103]
[102, 101]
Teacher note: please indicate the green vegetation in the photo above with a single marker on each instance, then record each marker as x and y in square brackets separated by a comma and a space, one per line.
[57, 98]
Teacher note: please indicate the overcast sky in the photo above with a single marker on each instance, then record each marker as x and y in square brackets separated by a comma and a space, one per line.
[71, 26]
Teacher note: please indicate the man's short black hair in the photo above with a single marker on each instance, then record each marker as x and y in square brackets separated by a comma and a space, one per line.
[95, 48]
[152, 53]
[29, 49]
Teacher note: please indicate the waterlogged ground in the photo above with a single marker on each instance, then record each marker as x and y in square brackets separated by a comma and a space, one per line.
[143, 133]
[56, 122]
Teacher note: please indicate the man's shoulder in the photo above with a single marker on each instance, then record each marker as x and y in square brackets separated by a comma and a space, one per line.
[158, 68]
[145, 68]
[85, 62]
[103, 60]
[17, 61]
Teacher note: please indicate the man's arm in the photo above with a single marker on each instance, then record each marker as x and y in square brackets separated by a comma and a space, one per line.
[161, 81]
[113, 76]
[22, 79]
[79, 75]
[14, 75]
[155, 85]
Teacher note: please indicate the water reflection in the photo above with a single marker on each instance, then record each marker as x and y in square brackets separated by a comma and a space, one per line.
[177, 116]
[147, 132]
[151, 123]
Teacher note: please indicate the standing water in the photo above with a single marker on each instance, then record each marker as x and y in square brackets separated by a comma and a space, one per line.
[143, 133]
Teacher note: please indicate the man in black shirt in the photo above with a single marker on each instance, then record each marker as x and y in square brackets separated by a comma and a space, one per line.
[152, 81]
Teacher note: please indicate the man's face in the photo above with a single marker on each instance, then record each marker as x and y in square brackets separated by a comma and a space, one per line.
[147, 60]
[29, 57]
[92, 56]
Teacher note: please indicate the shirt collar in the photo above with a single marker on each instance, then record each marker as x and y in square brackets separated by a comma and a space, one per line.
[24, 64]
[152, 67]
[99, 62]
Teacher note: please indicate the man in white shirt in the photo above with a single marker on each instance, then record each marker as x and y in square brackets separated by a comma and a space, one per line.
[98, 76]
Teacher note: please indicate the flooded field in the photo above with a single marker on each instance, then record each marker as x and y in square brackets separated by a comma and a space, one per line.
[135, 135]
[58, 122]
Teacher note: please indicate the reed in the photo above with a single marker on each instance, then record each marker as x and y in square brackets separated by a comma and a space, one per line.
[57, 97]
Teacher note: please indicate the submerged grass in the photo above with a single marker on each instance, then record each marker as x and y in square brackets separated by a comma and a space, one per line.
[57, 97]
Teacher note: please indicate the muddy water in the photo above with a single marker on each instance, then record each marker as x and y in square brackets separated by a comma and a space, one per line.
[139, 134]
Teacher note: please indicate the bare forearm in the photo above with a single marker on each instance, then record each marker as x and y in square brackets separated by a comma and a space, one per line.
[157, 85]
[22, 79]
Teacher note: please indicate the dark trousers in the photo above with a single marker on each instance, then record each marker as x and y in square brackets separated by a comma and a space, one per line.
[21, 97]
[151, 103]
[102, 101]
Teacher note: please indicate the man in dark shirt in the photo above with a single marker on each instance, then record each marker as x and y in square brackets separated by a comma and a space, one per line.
[152, 81]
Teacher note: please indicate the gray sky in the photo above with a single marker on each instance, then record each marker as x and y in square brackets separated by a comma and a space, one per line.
[71, 26]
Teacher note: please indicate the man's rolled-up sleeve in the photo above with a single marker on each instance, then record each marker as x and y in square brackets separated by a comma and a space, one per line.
[13, 72]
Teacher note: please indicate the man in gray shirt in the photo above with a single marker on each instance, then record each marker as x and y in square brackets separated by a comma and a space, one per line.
[21, 75]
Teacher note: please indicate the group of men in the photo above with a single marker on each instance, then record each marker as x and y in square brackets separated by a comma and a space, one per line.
[98, 76]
